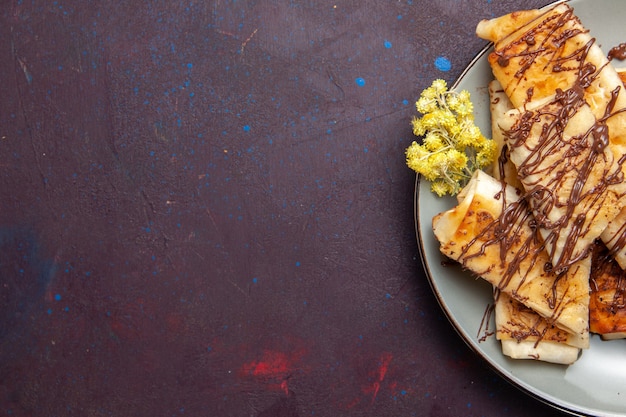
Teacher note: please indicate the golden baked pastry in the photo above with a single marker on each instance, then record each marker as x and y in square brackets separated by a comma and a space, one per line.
[524, 334]
[607, 303]
[490, 233]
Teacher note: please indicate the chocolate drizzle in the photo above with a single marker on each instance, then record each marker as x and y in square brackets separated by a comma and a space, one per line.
[588, 148]
[618, 241]
[582, 152]
[556, 163]
[536, 43]
[522, 255]
[617, 52]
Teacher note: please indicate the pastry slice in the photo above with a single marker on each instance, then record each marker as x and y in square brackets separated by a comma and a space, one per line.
[537, 52]
[574, 183]
[614, 236]
[499, 105]
[490, 233]
[528, 45]
[524, 334]
[607, 304]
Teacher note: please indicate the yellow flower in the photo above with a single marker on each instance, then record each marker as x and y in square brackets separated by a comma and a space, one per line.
[433, 141]
[442, 188]
[465, 108]
[457, 160]
[446, 119]
[452, 145]
[440, 86]
[417, 157]
[487, 153]
[426, 104]
[418, 127]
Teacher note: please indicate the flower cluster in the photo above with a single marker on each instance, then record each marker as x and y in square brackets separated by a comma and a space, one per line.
[452, 147]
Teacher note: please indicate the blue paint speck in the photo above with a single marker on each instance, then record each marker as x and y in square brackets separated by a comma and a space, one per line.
[359, 81]
[297, 263]
[443, 64]
[190, 65]
[255, 280]
[246, 128]
[388, 44]
[405, 102]
[57, 297]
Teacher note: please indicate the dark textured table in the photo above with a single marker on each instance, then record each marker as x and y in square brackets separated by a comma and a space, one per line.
[205, 210]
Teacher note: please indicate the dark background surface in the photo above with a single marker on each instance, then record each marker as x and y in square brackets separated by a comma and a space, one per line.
[205, 210]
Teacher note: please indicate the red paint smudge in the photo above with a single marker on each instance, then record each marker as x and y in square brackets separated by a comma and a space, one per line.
[271, 365]
[385, 359]
[393, 386]
[274, 364]
[383, 367]
[353, 403]
[274, 367]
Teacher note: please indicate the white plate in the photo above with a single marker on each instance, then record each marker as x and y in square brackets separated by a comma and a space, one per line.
[596, 383]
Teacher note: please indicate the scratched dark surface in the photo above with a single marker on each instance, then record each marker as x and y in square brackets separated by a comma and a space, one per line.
[205, 210]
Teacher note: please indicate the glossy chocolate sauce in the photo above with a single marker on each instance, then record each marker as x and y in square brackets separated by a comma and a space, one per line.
[617, 52]
[617, 241]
